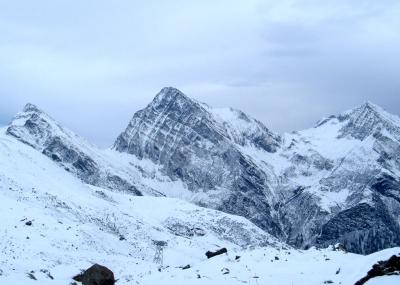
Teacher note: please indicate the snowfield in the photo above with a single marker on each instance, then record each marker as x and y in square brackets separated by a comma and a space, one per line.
[51, 222]
[53, 225]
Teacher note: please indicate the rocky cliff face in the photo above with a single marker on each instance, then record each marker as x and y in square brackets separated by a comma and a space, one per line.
[198, 147]
[343, 182]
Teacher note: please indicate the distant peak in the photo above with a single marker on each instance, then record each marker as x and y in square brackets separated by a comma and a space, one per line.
[31, 108]
[171, 95]
[366, 108]
[367, 119]
[371, 106]
[168, 90]
[30, 111]
[371, 109]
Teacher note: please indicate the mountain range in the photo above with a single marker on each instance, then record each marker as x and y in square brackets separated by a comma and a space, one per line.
[337, 182]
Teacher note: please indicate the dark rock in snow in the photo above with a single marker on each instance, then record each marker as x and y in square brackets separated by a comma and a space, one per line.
[382, 268]
[211, 254]
[96, 275]
[31, 275]
[225, 271]
[186, 267]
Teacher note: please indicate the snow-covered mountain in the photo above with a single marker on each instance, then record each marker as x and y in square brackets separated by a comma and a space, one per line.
[335, 182]
[68, 204]
[201, 149]
[340, 181]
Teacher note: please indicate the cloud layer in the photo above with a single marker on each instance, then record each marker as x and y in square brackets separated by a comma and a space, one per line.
[92, 64]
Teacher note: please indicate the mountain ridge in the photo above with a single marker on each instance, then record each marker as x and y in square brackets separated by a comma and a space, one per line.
[305, 187]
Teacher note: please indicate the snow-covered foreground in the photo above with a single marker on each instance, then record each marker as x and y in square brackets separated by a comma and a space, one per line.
[51, 221]
[53, 225]
[281, 267]
[257, 266]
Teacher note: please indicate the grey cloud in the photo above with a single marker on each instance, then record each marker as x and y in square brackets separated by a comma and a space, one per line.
[92, 64]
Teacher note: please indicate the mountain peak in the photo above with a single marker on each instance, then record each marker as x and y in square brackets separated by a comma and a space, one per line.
[367, 119]
[369, 110]
[369, 106]
[34, 127]
[29, 107]
[170, 89]
[169, 94]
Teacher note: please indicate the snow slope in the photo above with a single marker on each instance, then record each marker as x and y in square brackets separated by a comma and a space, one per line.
[75, 224]
[292, 267]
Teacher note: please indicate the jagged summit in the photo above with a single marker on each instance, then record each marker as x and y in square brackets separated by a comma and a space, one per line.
[32, 116]
[170, 92]
[369, 104]
[38, 130]
[367, 120]
[361, 122]
[369, 109]
[29, 107]
[33, 126]
[171, 96]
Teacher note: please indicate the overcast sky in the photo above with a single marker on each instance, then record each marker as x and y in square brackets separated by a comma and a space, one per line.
[92, 64]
